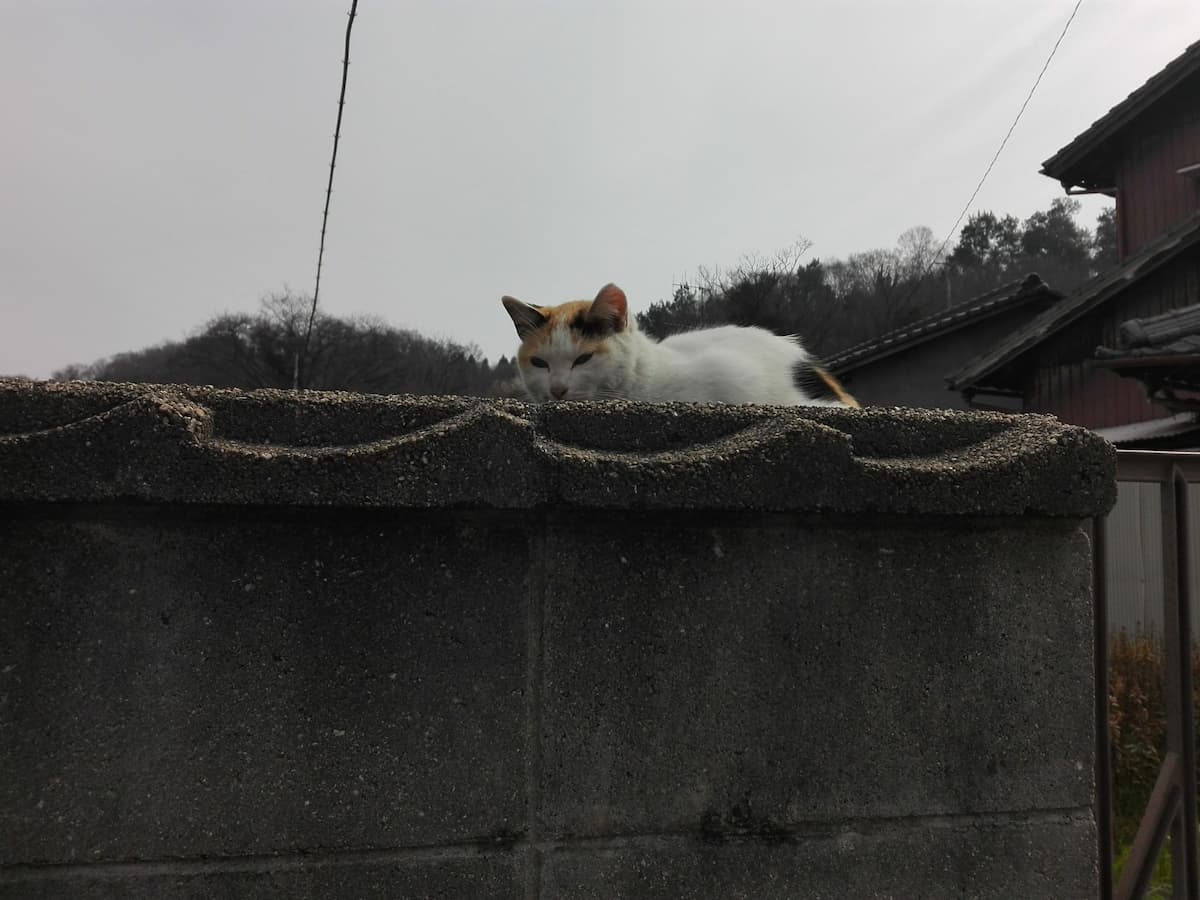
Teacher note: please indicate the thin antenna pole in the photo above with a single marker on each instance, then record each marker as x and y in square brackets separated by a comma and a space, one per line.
[337, 133]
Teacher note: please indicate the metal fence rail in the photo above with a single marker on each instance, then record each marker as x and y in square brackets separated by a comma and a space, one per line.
[1172, 805]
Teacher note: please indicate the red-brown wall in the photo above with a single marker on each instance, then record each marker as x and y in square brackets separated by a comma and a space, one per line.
[1093, 398]
[1151, 194]
[1061, 383]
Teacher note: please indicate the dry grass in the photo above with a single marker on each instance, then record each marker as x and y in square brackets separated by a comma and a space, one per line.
[1138, 726]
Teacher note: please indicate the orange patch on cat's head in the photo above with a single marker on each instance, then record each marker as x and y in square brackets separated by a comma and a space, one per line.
[588, 324]
[561, 323]
[565, 315]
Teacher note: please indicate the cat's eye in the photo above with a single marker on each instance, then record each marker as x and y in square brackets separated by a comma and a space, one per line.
[580, 360]
[539, 362]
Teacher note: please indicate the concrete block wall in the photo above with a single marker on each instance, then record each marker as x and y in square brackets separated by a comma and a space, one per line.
[318, 645]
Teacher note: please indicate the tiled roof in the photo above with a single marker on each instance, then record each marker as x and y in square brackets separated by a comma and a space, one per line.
[1089, 296]
[1003, 298]
[1174, 333]
[1070, 165]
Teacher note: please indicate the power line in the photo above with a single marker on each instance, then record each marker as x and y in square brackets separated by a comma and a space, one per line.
[999, 150]
[337, 133]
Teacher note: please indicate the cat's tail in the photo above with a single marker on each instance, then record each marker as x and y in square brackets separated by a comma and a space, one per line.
[819, 384]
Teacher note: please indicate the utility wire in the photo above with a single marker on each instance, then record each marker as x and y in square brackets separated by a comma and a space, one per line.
[337, 133]
[999, 150]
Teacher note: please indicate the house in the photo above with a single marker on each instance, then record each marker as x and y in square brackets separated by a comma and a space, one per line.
[1048, 364]
[1145, 152]
[1119, 354]
[1163, 354]
[907, 366]
[1024, 347]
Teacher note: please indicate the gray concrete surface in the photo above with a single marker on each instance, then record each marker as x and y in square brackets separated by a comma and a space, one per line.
[273, 645]
[761, 678]
[80, 441]
[938, 861]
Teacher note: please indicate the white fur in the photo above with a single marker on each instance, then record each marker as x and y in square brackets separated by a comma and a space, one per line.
[729, 364]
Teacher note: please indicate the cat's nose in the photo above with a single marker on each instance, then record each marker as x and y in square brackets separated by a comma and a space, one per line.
[558, 392]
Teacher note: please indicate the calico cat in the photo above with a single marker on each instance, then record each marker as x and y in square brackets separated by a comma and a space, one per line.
[593, 350]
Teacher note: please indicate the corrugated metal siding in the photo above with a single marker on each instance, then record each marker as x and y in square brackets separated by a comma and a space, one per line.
[1152, 195]
[1133, 561]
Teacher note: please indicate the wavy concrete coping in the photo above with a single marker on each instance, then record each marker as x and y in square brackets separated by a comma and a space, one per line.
[176, 444]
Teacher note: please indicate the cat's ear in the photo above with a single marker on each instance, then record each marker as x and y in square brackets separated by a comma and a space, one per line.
[610, 307]
[525, 317]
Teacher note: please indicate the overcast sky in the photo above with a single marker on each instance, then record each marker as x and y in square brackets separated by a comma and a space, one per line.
[165, 160]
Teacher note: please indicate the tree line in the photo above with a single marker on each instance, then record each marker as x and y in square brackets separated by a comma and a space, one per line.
[267, 349]
[832, 304]
[838, 303]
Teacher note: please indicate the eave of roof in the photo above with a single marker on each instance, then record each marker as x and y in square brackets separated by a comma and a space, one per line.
[1006, 297]
[1146, 361]
[1155, 429]
[1065, 165]
[1090, 295]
